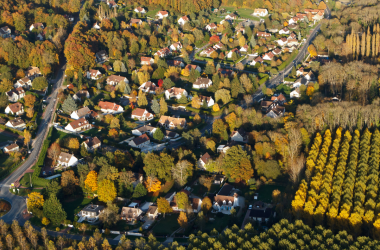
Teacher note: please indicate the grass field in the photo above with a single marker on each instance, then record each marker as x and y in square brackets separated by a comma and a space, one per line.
[152, 13]
[5, 162]
[220, 223]
[72, 207]
[61, 135]
[167, 225]
[242, 12]
[265, 192]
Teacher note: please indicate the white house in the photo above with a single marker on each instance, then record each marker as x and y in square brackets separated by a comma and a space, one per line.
[244, 49]
[5, 32]
[23, 83]
[239, 135]
[135, 21]
[148, 87]
[276, 51]
[163, 52]
[295, 93]
[78, 125]
[80, 113]
[268, 56]
[183, 20]
[94, 74]
[171, 122]
[162, 14]
[81, 94]
[91, 212]
[67, 160]
[16, 124]
[110, 108]
[175, 63]
[14, 109]
[257, 60]
[276, 112]
[231, 16]
[11, 148]
[169, 135]
[235, 50]
[130, 214]
[140, 141]
[292, 42]
[263, 34]
[115, 80]
[282, 41]
[15, 94]
[284, 31]
[139, 10]
[146, 129]
[195, 204]
[32, 72]
[202, 83]
[203, 161]
[96, 26]
[175, 92]
[260, 12]
[36, 26]
[146, 60]
[211, 26]
[293, 20]
[226, 199]
[207, 52]
[219, 45]
[152, 212]
[92, 143]
[141, 115]
[176, 46]
[208, 99]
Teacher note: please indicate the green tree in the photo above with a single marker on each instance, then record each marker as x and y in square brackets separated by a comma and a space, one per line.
[201, 220]
[127, 89]
[39, 83]
[155, 106]
[69, 105]
[159, 166]
[53, 189]
[158, 135]
[237, 165]
[163, 106]
[183, 99]
[182, 200]
[293, 73]
[235, 87]
[3, 100]
[53, 210]
[218, 128]
[139, 191]
[5, 85]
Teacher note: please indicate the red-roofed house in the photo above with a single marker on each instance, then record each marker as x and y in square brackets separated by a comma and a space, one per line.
[162, 14]
[141, 114]
[146, 60]
[110, 107]
[183, 20]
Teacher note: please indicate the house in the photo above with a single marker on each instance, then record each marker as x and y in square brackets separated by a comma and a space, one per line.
[67, 160]
[260, 12]
[231, 16]
[208, 99]
[152, 212]
[148, 87]
[36, 26]
[239, 135]
[202, 83]
[225, 199]
[260, 215]
[170, 196]
[11, 148]
[218, 179]
[183, 20]
[135, 21]
[101, 56]
[93, 114]
[207, 52]
[319, 16]
[5, 32]
[110, 107]
[175, 92]
[176, 46]
[211, 26]
[257, 60]
[282, 41]
[293, 26]
[96, 26]
[78, 125]
[293, 20]
[16, 124]
[203, 161]
[40, 37]
[292, 42]
[276, 51]
[284, 31]
[91, 212]
[230, 53]
[300, 81]
[277, 111]
[263, 34]
[141, 114]
[268, 56]
[189, 67]
[266, 106]
[69, 18]
[219, 46]
[310, 76]
[195, 204]
[300, 72]
[139, 10]
[14, 109]
[112, 4]
[81, 95]
[175, 63]
[140, 141]
[80, 113]
[146, 60]
[162, 14]
[240, 30]
[92, 143]
[280, 99]
[15, 94]
[130, 213]
[32, 72]
[171, 122]
[226, 72]
[94, 74]
[115, 80]
[170, 135]
[244, 49]
[163, 52]
[23, 83]
[146, 129]
[273, 30]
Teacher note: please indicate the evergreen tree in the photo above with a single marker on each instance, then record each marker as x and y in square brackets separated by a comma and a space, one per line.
[127, 89]
[194, 74]
[69, 105]
[158, 135]
[204, 106]
[209, 69]
[217, 67]
[253, 41]
[53, 210]
[168, 83]
[183, 99]
[98, 86]
[155, 106]
[139, 191]
[293, 73]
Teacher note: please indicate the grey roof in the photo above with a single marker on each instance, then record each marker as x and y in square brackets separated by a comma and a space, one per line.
[145, 128]
[266, 213]
[152, 209]
[170, 134]
[93, 208]
[83, 111]
[225, 190]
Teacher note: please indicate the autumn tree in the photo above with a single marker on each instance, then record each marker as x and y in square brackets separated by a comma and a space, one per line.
[181, 171]
[29, 100]
[237, 165]
[219, 129]
[27, 137]
[69, 105]
[5, 85]
[35, 200]
[54, 151]
[110, 215]
[91, 182]
[106, 190]
[73, 144]
[163, 106]
[163, 206]
[182, 200]
[69, 182]
[206, 205]
[152, 184]
[206, 181]
[142, 101]
[196, 102]
[182, 220]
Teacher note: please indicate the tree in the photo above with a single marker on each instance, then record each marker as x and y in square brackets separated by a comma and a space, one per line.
[236, 164]
[45, 221]
[35, 200]
[3, 100]
[106, 190]
[152, 184]
[218, 128]
[312, 50]
[215, 107]
[91, 182]
[182, 200]
[115, 123]
[53, 188]
[196, 102]
[139, 191]
[183, 99]
[197, 119]
[163, 106]
[127, 89]
[252, 41]
[231, 120]
[163, 206]
[206, 181]
[181, 171]
[110, 215]
[29, 112]
[39, 83]
[5, 85]
[27, 137]
[155, 106]
[69, 105]
[73, 144]
[158, 135]
[53, 210]
[54, 151]
[142, 101]
[29, 100]
[113, 133]
[69, 182]
[182, 220]
[222, 95]
[206, 205]
[201, 220]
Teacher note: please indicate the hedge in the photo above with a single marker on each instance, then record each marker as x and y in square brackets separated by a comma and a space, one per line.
[37, 180]
[192, 109]
[15, 131]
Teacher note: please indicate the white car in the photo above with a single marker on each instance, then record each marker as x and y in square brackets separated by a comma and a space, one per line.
[147, 226]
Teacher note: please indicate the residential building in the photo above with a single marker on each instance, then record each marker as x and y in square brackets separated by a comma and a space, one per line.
[11, 148]
[208, 99]
[266, 106]
[280, 99]
[152, 212]
[175, 92]
[219, 45]
[130, 213]
[293, 20]
[211, 26]
[81, 95]
[300, 72]
[189, 67]
[101, 56]
[135, 21]
[148, 87]
[16, 124]
[226, 72]
[231, 16]
[146, 129]
[91, 212]
[110, 107]
[276, 112]
[244, 49]
[175, 63]
[92, 143]
[15, 94]
[195, 204]
[292, 42]
[276, 51]
[94, 74]
[282, 41]
[36, 26]
[260, 212]
[284, 31]
[14, 109]
[140, 141]
[171, 122]
[170, 196]
[260, 12]
[268, 56]
[163, 52]
[183, 20]
[67, 160]
[78, 125]
[202, 162]
[240, 30]
[202, 83]
[218, 179]
[112, 4]
[146, 60]
[141, 114]
[207, 52]
[230, 53]
[32, 72]
[263, 34]
[115, 80]
[40, 36]
[162, 14]
[319, 16]
[239, 135]
[170, 135]
[257, 60]
[295, 93]
[96, 26]
[5, 32]
[139, 10]
[23, 83]
[80, 113]
[176, 46]
[226, 199]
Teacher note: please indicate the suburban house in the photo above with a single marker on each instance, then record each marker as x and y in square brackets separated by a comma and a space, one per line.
[183, 20]
[135, 21]
[284, 31]
[162, 14]
[173, 202]
[189, 67]
[195, 204]
[301, 72]
[295, 93]
[176, 46]
[139, 10]
[11, 148]
[175, 63]
[276, 51]
[239, 135]
[218, 179]
[231, 16]
[226, 72]
[294, 19]
[170, 135]
[92, 143]
[80, 113]
[260, 212]
[23, 83]
[266, 106]
[282, 41]
[78, 125]
[219, 45]
[146, 60]
[15, 94]
[140, 141]
[260, 12]
[230, 53]
[240, 30]
[130, 213]
[257, 60]
[112, 4]
[67, 160]
[163, 52]
[263, 34]
[268, 56]
[32, 72]
[110, 107]
[115, 80]
[211, 26]
[14, 109]
[36, 26]
[225, 199]
[170, 196]
[96, 26]
[175, 92]
[152, 212]
[210, 102]
[292, 42]
[148, 87]
[207, 52]
[171, 122]
[94, 74]
[276, 112]
[141, 114]
[5, 32]
[81, 95]
[244, 49]
[91, 212]
[203, 161]
[319, 16]
[101, 56]
[146, 129]
[16, 124]
[280, 99]
[202, 83]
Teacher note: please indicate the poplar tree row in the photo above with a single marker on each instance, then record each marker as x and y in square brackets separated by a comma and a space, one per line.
[364, 45]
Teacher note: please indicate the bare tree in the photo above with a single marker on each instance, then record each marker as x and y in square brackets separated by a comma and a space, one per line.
[295, 168]
[295, 142]
[181, 172]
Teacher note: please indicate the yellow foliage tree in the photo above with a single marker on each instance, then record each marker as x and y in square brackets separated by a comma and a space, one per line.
[45, 221]
[182, 220]
[73, 144]
[91, 182]
[286, 23]
[106, 190]
[152, 184]
[35, 200]
[196, 102]
[172, 71]
[215, 107]
[312, 50]
[185, 72]
[113, 133]
[231, 120]
[310, 90]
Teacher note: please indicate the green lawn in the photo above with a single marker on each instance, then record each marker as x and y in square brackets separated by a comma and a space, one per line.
[92, 132]
[220, 222]
[167, 225]
[73, 207]
[242, 12]
[61, 135]
[265, 192]
[152, 13]
[5, 137]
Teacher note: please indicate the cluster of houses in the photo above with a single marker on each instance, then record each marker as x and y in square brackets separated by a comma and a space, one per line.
[275, 107]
